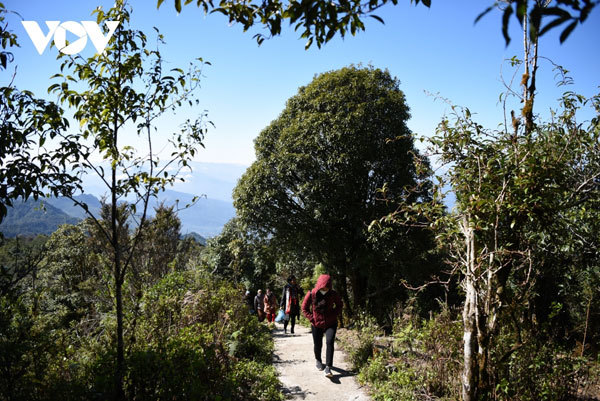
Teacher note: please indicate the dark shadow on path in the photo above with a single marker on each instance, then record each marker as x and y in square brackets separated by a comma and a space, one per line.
[281, 334]
[277, 360]
[295, 391]
[339, 374]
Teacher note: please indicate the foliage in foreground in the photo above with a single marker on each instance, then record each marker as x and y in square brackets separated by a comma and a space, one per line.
[188, 336]
[421, 360]
[201, 343]
[319, 21]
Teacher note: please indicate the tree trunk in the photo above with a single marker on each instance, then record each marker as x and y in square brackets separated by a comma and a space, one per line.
[119, 274]
[344, 288]
[120, 394]
[483, 346]
[120, 368]
[470, 350]
[587, 320]
[358, 289]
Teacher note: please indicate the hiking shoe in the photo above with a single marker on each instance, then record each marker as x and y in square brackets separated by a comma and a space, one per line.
[328, 372]
[292, 331]
[320, 365]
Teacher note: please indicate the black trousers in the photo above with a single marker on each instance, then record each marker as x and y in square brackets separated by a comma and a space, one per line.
[329, 340]
[292, 320]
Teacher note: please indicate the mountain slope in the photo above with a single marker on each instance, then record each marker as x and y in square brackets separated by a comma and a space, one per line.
[67, 205]
[206, 217]
[29, 219]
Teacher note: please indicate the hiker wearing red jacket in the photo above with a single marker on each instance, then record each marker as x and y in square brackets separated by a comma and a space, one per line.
[322, 306]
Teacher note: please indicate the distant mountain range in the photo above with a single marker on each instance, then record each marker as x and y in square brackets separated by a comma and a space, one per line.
[213, 180]
[206, 217]
[67, 206]
[31, 218]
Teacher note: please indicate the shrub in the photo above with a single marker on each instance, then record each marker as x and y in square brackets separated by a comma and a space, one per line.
[252, 341]
[544, 372]
[193, 340]
[404, 384]
[362, 351]
[362, 346]
[255, 381]
[420, 361]
[199, 342]
[375, 371]
[187, 367]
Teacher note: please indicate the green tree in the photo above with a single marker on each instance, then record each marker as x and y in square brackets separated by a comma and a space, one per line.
[24, 343]
[239, 255]
[515, 189]
[319, 165]
[72, 274]
[125, 89]
[19, 260]
[158, 248]
[26, 124]
[514, 196]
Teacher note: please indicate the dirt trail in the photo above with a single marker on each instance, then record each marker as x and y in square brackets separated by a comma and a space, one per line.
[295, 362]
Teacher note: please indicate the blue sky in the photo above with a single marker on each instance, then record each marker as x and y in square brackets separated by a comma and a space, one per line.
[436, 50]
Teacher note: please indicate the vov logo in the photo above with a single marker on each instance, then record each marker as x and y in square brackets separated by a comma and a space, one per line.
[83, 30]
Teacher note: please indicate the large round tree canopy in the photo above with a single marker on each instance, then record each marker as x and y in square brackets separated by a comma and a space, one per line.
[319, 167]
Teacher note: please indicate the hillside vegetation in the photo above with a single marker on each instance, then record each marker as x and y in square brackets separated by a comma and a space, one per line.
[30, 218]
[495, 298]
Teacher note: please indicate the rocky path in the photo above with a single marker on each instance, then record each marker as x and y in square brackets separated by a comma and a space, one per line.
[295, 362]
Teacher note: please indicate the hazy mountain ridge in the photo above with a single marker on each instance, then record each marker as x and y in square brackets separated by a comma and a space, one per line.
[70, 208]
[212, 182]
[30, 218]
[205, 217]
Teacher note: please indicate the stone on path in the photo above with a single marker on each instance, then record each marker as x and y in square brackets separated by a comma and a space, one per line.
[295, 362]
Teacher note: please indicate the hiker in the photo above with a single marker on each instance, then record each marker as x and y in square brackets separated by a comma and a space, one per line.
[259, 305]
[322, 306]
[290, 302]
[249, 303]
[270, 306]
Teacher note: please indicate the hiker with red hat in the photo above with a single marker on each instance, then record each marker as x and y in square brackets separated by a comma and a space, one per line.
[322, 306]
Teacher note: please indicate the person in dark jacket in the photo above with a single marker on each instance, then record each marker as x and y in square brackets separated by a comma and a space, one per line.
[259, 305]
[322, 306]
[290, 302]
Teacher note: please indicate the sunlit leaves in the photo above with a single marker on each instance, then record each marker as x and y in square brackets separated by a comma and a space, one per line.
[111, 102]
[519, 186]
[26, 123]
[571, 13]
[320, 21]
